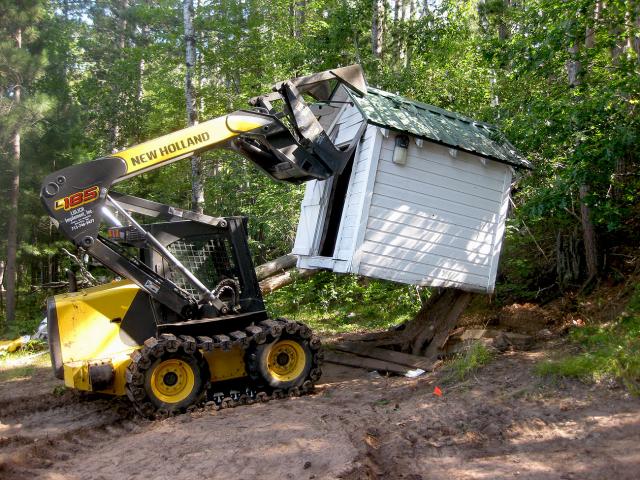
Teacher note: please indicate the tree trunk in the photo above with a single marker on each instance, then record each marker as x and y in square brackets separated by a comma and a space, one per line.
[504, 32]
[299, 7]
[197, 164]
[590, 37]
[574, 65]
[279, 265]
[2, 269]
[116, 133]
[588, 234]
[274, 283]
[635, 38]
[437, 317]
[568, 259]
[428, 331]
[122, 34]
[14, 192]
[377, 28]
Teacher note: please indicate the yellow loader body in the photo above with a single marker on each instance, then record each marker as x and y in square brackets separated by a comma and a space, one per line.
[89, 339]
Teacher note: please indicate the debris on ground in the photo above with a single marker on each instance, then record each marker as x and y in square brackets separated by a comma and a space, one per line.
[11, 346]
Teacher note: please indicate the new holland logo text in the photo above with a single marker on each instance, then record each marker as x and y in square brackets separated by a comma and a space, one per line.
[170, 149]
[79, 198]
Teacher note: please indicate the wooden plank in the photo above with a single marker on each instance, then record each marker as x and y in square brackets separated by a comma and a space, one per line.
[400, 358]
[362, 362]
[347, 132]
[427, 162]
[440, 154]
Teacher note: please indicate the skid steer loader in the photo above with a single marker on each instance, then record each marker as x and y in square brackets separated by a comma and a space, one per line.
[188, 320]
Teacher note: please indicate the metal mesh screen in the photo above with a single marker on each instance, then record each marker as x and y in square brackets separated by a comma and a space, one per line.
[210, 259]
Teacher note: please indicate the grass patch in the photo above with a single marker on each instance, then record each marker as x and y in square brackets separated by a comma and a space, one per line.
[604, 351]
[467, 362]
[330, 303]
[24, 362]
[16, 372]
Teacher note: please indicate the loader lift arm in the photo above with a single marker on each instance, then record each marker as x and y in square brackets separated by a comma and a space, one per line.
[287, 143]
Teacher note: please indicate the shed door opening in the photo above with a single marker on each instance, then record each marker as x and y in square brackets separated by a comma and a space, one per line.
[335, 206]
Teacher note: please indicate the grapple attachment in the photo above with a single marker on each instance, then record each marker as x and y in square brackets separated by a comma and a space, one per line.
[298, 148]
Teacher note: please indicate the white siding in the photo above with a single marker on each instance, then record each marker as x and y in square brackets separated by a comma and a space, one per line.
[437, 220]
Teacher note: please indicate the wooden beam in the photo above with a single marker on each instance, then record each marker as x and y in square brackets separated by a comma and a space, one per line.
[368, 363]
[279, 265]
[271, 284]
[413, 361]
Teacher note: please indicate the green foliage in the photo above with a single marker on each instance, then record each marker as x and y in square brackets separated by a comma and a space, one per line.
[102, 76]
[29, 314]
[467, 362]
[604, 351]
[332, 303]
[16, 373]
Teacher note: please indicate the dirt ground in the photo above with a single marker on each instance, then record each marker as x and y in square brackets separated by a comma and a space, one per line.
[505, 422]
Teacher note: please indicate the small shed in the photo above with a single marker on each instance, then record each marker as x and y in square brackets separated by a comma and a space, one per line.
[423, 201]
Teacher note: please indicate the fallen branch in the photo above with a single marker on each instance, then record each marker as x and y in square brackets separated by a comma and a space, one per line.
[274, 283]
[277, 266]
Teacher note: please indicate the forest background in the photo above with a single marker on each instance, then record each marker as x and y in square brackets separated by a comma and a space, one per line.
[561, 78]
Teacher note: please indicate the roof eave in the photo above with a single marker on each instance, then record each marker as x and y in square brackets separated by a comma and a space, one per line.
[519, 163]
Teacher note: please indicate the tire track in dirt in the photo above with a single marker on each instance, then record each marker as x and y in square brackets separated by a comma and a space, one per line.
[46, 431]
[501, 423]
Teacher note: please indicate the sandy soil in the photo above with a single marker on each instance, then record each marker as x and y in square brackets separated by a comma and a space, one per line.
[503, 423]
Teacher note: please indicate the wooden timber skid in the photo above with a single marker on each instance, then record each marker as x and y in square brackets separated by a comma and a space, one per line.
[255, 389]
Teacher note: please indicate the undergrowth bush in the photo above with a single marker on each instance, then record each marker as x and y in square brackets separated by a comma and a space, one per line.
[332, 303]
[30, 310]
[605, 351]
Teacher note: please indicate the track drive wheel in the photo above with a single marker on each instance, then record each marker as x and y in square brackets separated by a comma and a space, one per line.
[286, 363]
[166, 376]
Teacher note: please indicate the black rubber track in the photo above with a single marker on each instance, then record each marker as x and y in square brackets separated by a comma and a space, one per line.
[253, 389]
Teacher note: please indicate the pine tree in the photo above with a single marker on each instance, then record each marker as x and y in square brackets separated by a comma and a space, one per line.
[19, 110]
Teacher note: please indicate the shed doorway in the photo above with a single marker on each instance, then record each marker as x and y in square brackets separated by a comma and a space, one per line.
[333, 214]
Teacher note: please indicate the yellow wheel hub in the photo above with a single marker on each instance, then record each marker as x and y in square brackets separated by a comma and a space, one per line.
[172, 380]
[286, 360]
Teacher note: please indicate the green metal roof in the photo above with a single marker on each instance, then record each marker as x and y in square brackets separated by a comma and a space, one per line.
[434, 124]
